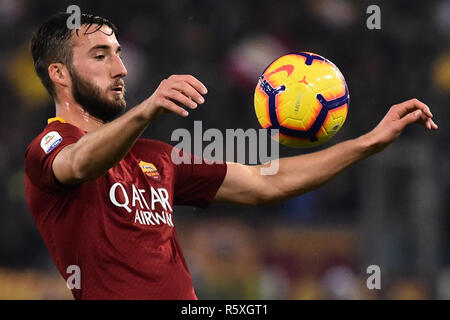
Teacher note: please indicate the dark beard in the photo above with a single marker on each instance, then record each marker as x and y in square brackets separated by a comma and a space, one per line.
[89, 97]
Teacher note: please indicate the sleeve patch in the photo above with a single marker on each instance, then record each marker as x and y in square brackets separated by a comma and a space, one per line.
[50, 141]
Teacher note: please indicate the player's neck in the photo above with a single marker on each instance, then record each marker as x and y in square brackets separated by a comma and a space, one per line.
[73, 113]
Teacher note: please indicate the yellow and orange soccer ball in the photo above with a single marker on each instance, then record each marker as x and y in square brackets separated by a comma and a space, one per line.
[304, 96]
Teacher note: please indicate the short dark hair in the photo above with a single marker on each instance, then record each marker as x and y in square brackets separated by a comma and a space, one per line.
[51, 43]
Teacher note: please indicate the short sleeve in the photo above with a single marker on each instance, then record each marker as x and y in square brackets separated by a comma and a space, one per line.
[196, 183]
[42, 151]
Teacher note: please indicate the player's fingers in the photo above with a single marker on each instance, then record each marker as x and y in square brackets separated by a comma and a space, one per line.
[171, 106]
[430, 124]
[188, 91]
[434, 126]
[427, 122]
[411, 105]
[181, 98]
[410, 118]
[194, 82]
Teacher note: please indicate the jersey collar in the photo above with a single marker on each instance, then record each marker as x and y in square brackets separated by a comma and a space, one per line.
[55, 119]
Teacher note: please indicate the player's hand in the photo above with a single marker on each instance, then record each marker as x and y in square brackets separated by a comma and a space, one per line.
[397, 118]
[173, 94]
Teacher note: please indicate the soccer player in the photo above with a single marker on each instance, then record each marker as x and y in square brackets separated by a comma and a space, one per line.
[103, 198]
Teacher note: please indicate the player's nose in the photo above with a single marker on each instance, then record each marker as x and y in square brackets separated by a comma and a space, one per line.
[118, 68]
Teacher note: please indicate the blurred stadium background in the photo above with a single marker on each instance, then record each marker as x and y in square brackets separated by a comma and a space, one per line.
[391, 210]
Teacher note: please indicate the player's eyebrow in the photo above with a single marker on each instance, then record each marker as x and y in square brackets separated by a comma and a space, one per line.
[104, 47]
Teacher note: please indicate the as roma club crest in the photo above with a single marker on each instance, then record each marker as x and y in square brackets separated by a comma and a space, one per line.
[150, 170]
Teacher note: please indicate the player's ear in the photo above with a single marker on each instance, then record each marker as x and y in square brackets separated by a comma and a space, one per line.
[59, 74]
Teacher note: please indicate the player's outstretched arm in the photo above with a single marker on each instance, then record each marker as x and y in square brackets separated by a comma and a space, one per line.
[99, 150]
[300, 174]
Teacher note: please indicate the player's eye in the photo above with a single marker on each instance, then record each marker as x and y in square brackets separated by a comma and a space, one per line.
[99, 57]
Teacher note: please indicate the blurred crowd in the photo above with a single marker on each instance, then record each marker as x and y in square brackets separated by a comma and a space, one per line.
[312, 247]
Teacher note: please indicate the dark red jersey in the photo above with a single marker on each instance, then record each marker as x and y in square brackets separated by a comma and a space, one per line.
[119, 229]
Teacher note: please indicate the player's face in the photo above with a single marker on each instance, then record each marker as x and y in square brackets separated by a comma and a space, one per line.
[97, 71]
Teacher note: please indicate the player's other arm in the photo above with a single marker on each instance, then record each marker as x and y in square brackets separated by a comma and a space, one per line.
[99, 150]
[298, 175]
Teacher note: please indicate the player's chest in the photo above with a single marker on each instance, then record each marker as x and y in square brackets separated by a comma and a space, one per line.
[141, 185]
